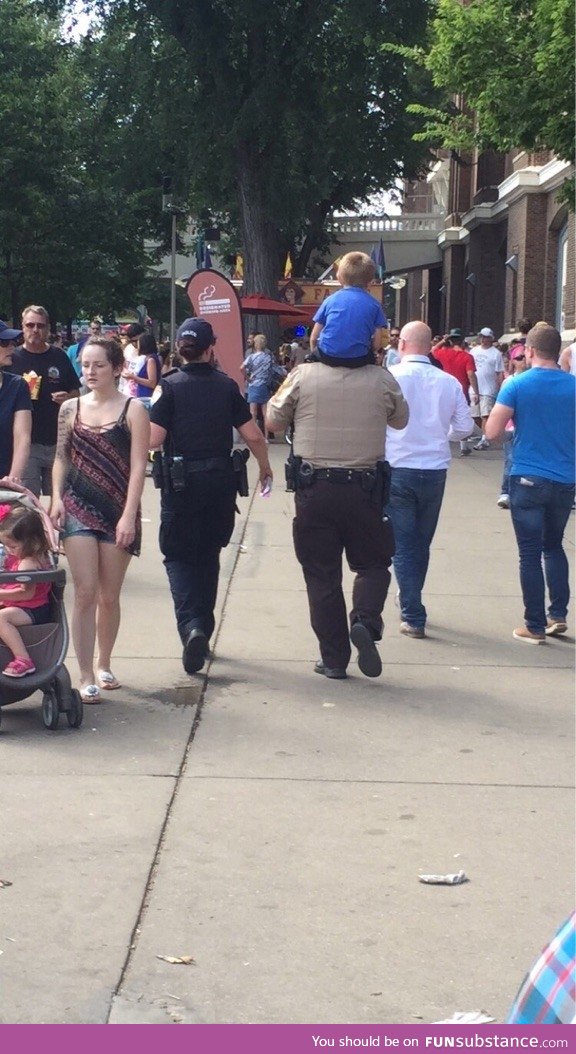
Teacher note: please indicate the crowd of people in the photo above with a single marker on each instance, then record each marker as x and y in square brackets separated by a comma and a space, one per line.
[450, 392]
[372, 427]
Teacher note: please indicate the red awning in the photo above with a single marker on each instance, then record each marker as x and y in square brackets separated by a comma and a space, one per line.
[258, 304]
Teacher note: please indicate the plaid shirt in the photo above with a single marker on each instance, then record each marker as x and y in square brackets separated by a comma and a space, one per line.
[548, 993]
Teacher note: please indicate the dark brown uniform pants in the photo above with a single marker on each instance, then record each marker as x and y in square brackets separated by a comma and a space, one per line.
[332, 518]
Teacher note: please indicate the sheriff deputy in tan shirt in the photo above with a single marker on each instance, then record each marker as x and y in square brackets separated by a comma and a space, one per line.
[340, 409]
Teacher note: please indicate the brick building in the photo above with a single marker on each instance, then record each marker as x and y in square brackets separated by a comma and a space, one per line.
[508, 246]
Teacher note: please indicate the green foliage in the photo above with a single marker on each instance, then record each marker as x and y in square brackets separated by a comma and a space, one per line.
[285, 107]
[268, 114]
[71, 224]
[513, 63]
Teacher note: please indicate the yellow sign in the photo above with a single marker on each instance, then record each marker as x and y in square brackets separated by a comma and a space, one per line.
[301, 293]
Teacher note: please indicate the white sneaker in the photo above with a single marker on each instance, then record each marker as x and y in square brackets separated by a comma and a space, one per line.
[503, 501]
[482, 445]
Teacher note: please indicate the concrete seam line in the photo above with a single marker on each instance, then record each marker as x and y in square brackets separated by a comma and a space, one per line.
[144, 903]
[384, 783]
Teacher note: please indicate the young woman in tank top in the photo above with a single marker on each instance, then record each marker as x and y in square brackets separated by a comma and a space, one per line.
[97, 483]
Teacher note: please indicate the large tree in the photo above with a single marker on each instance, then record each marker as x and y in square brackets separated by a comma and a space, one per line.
[71, 224]
[282, 112]
[512, 64]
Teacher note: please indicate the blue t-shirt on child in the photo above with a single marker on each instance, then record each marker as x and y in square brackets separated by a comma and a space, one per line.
[544, 404]
[349, 318]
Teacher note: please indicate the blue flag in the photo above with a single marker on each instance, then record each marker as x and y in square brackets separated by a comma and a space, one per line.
[377, 256]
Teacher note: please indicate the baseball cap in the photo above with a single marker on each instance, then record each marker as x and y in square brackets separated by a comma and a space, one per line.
[9, 334]
[486, 332]
[455, 333]
[197, 332]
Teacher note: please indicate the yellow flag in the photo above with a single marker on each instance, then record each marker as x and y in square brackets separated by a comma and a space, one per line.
[288, 267]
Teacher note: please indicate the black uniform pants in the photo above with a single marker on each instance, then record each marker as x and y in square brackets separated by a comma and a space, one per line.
[332, 518]
[195, 524]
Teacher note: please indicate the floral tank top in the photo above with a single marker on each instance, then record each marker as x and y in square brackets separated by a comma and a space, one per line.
[97, 482]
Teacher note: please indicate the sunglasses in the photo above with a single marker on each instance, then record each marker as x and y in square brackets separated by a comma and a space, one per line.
[35, 325]
[7, 343]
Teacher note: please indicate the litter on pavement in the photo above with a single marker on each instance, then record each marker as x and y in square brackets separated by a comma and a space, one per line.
[466, 1017]
[444, 880]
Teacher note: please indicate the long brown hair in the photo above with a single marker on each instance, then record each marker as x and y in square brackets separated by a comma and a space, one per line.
[25, 526]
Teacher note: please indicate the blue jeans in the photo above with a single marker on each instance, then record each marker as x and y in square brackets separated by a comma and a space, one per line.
[414, 507]
[540, 509]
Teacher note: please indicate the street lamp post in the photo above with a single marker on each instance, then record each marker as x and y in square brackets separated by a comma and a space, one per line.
[168, 205]
[397, 283]
[173, 285]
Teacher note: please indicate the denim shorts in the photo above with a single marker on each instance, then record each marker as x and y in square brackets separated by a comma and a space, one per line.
[258, 393]
[73, 528]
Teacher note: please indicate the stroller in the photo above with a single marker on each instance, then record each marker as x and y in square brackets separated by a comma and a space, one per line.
[48, 643]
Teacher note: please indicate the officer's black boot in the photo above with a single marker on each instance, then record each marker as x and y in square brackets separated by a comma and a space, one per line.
[195, 650]
[369, 660]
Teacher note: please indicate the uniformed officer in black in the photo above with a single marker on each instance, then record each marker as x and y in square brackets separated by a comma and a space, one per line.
[193, 420]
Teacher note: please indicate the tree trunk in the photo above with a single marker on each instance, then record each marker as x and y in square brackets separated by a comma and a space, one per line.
[262, 245]
[315, 229]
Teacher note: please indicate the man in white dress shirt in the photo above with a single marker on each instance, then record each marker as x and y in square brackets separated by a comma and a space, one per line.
[419, 456]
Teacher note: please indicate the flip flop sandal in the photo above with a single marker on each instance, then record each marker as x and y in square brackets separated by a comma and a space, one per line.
[90, 694]
[107, 680]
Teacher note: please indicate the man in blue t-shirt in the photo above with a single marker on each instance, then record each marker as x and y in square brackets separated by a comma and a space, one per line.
[542, 404]
[75, 350]
[348, 324]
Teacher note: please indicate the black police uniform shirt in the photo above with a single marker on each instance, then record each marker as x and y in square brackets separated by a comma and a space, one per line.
[14, 396]
[199, 407]
[58, 375]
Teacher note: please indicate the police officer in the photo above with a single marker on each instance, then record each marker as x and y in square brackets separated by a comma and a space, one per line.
[340, 409]
[193, 420]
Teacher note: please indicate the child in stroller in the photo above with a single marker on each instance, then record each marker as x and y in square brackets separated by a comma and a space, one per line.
[34, 610]
[23, 603]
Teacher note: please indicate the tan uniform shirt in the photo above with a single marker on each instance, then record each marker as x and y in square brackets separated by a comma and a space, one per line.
[339, 415]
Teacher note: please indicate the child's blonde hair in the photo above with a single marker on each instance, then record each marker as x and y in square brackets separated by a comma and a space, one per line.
[25, 526]
[356, 269]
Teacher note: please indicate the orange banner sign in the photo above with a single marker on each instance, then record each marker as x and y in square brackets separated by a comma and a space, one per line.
[214, 298]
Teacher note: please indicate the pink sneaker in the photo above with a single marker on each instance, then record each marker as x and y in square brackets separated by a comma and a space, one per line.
[19, 667]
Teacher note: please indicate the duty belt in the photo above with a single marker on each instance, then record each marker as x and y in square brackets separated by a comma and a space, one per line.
[206, 464]
[374, 481]
[343, 475]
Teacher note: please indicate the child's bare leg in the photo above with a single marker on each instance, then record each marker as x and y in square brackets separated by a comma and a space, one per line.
[10, 618]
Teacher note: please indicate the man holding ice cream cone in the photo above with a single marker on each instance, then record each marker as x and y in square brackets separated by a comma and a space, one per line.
[51, 380]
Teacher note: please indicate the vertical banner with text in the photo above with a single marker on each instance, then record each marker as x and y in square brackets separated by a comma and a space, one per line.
[214, 298]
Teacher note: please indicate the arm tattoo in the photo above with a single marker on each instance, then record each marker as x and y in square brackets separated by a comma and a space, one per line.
[64, 440]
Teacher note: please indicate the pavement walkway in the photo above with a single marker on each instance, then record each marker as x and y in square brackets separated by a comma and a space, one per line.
[272, 824]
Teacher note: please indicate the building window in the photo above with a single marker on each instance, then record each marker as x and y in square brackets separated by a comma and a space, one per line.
[561, 279]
